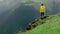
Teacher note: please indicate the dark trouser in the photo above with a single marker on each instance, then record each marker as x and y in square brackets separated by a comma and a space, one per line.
[42, 14]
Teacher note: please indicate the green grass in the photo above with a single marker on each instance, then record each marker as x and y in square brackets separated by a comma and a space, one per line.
[51, 26]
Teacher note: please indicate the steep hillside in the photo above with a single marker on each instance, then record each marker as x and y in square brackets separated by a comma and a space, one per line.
[51, 26]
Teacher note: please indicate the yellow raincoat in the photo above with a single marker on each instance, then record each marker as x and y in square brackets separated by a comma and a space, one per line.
[42, 8]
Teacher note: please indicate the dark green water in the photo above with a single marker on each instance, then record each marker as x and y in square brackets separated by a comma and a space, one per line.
[18, 20]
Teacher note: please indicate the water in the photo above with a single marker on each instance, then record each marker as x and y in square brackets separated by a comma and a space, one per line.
[18, 20]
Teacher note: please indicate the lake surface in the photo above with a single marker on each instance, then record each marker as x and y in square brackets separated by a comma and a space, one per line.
[19, 19]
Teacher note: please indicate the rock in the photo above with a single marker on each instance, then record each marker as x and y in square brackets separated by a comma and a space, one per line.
[29, 27]
[34, 25]
[44, 17]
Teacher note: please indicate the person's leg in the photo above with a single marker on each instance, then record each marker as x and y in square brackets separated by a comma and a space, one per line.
[42, 14]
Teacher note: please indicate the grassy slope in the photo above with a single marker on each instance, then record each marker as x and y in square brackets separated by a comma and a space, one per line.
[51, 26]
